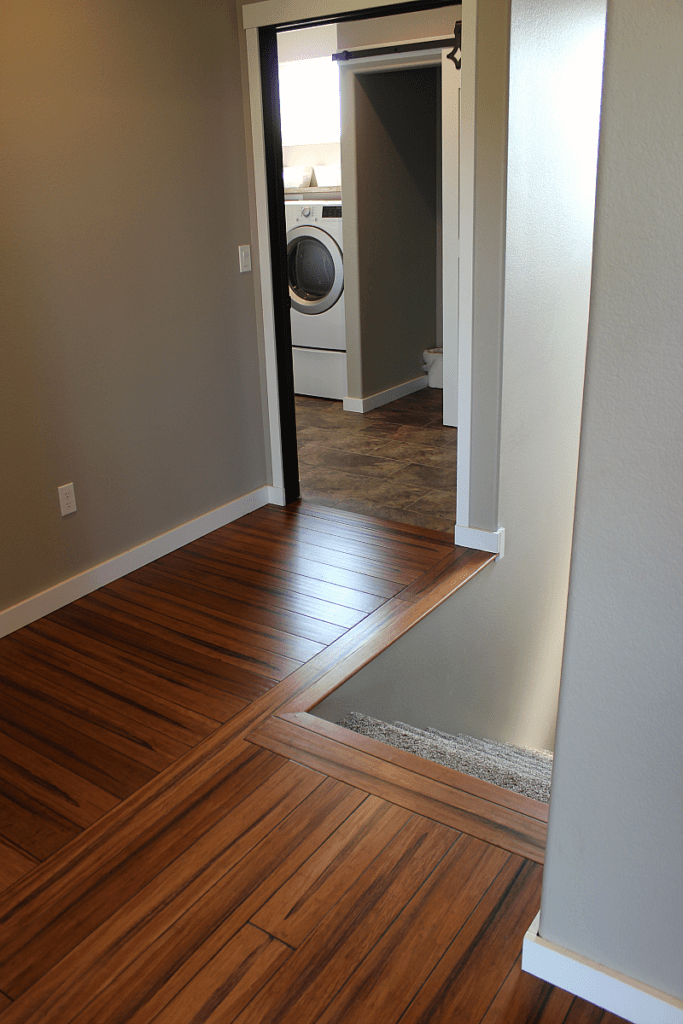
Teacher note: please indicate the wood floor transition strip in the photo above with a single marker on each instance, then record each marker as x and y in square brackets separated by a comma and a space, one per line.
[501, 826]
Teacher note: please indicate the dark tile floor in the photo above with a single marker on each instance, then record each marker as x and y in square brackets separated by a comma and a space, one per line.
[395, 462]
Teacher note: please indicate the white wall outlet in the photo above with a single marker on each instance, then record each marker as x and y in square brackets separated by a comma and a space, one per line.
[245, 258]
[67, 499]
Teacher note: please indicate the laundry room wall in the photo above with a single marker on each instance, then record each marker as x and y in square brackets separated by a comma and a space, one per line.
[309, 44]
[391, 263]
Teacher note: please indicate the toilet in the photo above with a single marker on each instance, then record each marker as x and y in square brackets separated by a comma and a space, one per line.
[433, 365]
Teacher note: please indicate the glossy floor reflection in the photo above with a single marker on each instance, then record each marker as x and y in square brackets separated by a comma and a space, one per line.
[396, 462]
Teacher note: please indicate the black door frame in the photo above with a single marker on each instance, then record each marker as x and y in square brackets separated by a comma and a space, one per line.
[277, 229]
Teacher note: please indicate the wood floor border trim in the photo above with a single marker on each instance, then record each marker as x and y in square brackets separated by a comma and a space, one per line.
[420, 766]
[300, 691]
[405, 617]
[517, 833]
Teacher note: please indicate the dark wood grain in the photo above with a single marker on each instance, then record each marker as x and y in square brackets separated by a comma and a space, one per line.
[121, 650]
[223, 855]
[221, 989]
[238, 568]
[110, 877]
[496, 824]
[395, 969]
[477, 962]
[170, 649]
[192, 909]
[298, 906]
[113, 686]
[31, 825]
[14, 863]
[316, 971]
[313, 560]
[72, 741]
[419, 766]
[64, 792]
[213, 630]
[345, 537]
[523, 998]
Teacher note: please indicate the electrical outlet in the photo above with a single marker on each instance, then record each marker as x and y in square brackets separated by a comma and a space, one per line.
[67, 499]
[245, 258]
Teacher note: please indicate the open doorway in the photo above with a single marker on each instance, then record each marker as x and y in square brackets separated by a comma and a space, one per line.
[372, 435]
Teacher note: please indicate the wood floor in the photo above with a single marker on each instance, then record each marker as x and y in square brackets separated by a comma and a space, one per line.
[181, 842]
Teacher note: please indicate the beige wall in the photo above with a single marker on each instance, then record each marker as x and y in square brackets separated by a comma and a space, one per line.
[129, 362]
[613, 883]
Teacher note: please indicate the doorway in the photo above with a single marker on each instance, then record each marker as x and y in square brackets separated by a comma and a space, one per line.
[385, 451]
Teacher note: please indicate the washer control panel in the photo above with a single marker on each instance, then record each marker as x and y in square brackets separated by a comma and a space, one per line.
[312, 213]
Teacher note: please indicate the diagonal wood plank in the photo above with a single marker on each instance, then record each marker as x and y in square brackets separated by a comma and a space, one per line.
[71, 903]
[302, 989]
[56, 736]
[202, 663]
[229, 549]
[297, 907]
[64, 792]
[117, 685]
[32, 826]
[129, 967]
[229, 981]
[396, 967]
[121, 652]
[285, 615]
[523, 998]
[185, 562]
[478, 960]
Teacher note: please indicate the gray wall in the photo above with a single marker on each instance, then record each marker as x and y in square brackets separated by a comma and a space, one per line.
[396, 172]
[129, 362]
[613, 885]
[487, 662]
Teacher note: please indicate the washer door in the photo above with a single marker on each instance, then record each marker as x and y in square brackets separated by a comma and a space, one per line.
[315, 269]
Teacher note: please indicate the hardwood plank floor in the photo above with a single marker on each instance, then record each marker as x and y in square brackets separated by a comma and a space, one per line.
[161, 863]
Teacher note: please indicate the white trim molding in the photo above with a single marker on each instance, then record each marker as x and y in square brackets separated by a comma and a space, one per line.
[276, 496]
[383, 397]
[114, 568]
[481, 540]
[606, 988]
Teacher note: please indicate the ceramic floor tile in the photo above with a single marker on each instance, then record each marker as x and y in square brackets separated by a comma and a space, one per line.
[421, 454]
[396, 462]
[354, 462]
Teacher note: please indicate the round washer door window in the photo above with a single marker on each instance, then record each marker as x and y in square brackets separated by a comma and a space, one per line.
[314, 268]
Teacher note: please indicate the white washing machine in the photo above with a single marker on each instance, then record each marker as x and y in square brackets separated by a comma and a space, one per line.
[315, 268]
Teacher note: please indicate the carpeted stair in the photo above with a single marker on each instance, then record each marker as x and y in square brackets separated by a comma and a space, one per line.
[520, 769]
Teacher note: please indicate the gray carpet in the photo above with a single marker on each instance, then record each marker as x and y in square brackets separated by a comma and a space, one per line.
[519, 769]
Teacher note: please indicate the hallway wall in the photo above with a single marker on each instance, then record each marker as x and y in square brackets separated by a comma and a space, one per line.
[613, 884]
[130, 364]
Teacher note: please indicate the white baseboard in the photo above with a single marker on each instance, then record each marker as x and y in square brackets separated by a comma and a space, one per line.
[383, 397]
[114, 568]
[481, 540]
[599, 985]
[276, 496]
